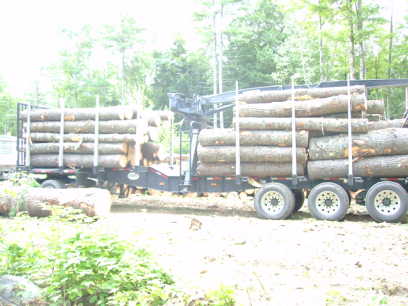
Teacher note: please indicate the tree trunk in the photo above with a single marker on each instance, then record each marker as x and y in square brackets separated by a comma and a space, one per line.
[111, 138]
[383, 124]
[226, 137]
[165, 115]
[360, 27]
[310, 108]
[92, 201]
[309, 124]
[378, 166]
[258, 96]
[75, 114]
[226, 154]
[249, 169]
[72, 147]
[354, 115]
[106, 127]
[374, 143]
[152, 151]
[79, 160]
[352, 40]
[375, 107]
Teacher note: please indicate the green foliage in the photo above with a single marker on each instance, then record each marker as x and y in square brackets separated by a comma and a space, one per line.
[223, 296]
[253, 41]
[18, 260]
[23, 179]
[100, 270]
[69, 214]
[15, 189]
[178, 70]
[8, 106]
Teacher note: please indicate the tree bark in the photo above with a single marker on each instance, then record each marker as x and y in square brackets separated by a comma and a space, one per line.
[105, 127]
[79, 160]
[375, 143]
[354, 115]
[310, 108]
[152, 151]
[74, 114]
[249, 169]
[92, 201]
[226, 137]
[110, 138]
[383, 124]
[258, 96]
[226, 154]
[375, 107]
[378, 166]
[309, 124]
[78, 147]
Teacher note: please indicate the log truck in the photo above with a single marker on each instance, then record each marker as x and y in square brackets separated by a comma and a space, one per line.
[386, 199]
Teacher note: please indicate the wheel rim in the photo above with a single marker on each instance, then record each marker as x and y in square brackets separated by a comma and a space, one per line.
[387, 202]
[327, 203]
[273, 202]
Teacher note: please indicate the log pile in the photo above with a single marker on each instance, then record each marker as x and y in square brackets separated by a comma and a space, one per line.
[124, 138]
[380, 148]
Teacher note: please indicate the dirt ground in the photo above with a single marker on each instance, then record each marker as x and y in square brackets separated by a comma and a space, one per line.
[208, 242]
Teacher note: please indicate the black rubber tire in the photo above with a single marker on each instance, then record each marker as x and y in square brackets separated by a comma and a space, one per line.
[399, 191]
[339, 191]
[286, 195]
[56, 184]
[299, 199]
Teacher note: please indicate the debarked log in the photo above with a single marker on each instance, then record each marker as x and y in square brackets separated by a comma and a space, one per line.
[79, 160]
[378, 166]
[75, 114]
[310, 108]
[329, 125]
[37, 201]
[383, 124]
[111, 138]
[226, 137]
[393, 141]
[266, 96]
[226, 154]
[249, 169]
[78, 147]
[106, 127]
[375, 107]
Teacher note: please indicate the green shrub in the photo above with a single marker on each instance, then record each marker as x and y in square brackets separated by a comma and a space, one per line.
[100, 270]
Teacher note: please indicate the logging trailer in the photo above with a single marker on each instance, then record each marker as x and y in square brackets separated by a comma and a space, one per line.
[386, 199]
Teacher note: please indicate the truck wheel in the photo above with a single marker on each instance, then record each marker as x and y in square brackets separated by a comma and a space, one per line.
[387, 201]
[274, 201]
[328, 201]
[299, 199]
[52, 184]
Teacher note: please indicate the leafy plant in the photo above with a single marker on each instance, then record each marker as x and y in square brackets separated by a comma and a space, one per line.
[68, 214]
[100, 270]
[18, 260]
[223, 296]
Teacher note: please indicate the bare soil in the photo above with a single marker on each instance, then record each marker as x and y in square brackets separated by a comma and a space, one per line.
[209, 242]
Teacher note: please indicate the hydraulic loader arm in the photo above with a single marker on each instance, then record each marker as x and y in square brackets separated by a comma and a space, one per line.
[197, 108]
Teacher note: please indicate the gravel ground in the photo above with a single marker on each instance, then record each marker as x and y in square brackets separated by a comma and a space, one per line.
[208, 242]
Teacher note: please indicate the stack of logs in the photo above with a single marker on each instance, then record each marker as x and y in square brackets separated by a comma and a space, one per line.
[120, 134]
[321, 136]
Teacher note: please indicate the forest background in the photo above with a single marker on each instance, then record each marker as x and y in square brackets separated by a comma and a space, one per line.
[137, 53]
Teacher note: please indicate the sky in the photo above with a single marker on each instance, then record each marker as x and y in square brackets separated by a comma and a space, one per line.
[30, 39]
[30, 30]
